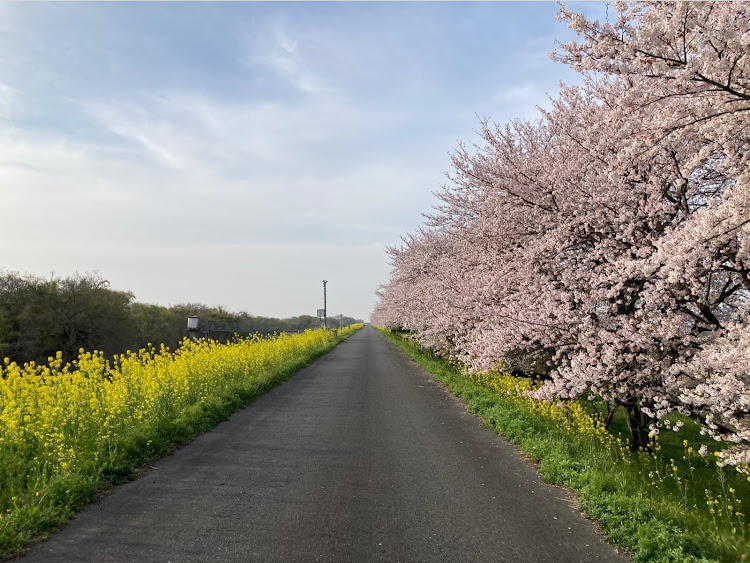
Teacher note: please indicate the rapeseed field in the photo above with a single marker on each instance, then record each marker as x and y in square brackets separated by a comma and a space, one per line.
[68, 430]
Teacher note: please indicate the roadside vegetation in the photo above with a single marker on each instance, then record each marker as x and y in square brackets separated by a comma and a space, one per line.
[69, 430]
[40, 317]
[605, 246]
[600, 253]
[673, 501]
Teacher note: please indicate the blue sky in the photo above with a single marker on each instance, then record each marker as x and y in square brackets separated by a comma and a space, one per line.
[237, 154]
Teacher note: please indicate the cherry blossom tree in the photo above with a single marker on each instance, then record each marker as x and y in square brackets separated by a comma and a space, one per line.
[611, 236]
[686, 74]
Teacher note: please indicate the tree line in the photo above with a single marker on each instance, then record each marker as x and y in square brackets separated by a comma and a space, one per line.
[39, 317]
[607, 243]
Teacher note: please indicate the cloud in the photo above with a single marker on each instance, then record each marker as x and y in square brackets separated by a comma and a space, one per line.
[519, 101]
[519, 94]
[8, 99]
[244, 172]
[184, 175]
[287, 57]
[55, 189]
[9, 18]
[160, 138]
[207, 138]
[522, 100]
[33, 157]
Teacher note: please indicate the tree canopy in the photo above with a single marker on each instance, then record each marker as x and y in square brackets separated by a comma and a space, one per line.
[40, 317]
[611, 236]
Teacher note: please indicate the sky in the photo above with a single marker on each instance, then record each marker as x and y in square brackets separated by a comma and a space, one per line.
[237, 154]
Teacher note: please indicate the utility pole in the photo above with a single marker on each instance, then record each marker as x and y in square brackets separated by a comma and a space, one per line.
[325, 312]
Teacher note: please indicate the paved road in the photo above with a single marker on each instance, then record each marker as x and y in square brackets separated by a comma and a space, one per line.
[359, 458]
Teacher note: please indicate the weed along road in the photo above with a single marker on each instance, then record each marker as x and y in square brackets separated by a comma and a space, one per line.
[359, 457]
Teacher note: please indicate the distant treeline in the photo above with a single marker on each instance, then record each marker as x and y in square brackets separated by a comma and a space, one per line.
[39, 317]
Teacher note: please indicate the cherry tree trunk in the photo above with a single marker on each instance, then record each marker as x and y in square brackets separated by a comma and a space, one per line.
[638, 426]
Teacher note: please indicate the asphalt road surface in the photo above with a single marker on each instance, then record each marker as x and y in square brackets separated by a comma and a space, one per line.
[360, 457]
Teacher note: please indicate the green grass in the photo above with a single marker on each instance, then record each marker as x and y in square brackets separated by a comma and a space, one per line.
[654, 522]
[697, 474]
[29, 520]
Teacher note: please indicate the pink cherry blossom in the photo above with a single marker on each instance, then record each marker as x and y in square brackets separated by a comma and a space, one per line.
[606, 244]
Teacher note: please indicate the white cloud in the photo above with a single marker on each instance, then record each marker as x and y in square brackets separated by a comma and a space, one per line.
[204, 138]
[159, 138]
[286, 57]
[8, 17]
[8, 99]
[521, 100]
[163, 178]
[35, 160]
[55, 190]
[239, 172]
[519, 95]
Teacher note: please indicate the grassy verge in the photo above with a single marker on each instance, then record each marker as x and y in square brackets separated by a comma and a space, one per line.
[69, 432]
[643, 502]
